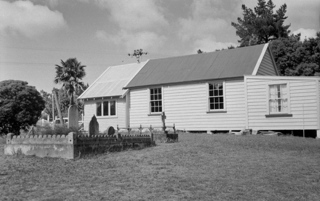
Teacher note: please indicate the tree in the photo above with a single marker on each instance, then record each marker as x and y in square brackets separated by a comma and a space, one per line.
[64, 101]
[20, 106]
[70, 74]
[295, 58]
[262, 24]
[47, 97]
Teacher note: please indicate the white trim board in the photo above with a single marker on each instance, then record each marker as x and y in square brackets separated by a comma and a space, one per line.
[263, 52]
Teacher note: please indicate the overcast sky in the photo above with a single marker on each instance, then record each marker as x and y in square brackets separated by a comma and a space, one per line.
[35, 35]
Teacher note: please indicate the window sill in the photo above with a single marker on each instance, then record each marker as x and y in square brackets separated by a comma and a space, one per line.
[279, 115]
[155, 114]
[217, 111]
[107, 117]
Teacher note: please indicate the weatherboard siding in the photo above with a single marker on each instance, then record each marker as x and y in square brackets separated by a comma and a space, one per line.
[266, 67]
[105, 122]
[303, 103]
[139, 109]
[186, 106]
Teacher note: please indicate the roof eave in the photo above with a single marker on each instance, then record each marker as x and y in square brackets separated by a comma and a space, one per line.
[184, 82]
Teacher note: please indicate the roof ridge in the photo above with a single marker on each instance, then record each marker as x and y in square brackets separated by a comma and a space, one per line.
[216, 51]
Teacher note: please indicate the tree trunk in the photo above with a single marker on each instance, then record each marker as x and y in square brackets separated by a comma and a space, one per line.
[71, 100]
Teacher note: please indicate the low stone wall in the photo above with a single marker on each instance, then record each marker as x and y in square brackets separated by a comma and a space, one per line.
[71, 146]
[41, 145]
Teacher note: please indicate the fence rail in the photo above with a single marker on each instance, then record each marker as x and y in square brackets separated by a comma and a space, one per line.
[165, 136]
[150, 128]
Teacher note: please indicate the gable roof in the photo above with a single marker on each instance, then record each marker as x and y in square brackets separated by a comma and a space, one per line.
[206, 66]
[112, 80]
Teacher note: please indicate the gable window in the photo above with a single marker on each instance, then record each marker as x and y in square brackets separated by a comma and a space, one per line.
[106, 108]
[278, 98]
[216, 96]
[155, 100]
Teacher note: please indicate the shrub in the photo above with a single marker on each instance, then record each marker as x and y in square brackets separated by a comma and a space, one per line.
[57, 130]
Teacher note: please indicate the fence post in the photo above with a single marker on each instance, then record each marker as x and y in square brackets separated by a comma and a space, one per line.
[151, 136]
[129, 129]
[119, 136]
[174, 128]
[140, 129]
[163, 118]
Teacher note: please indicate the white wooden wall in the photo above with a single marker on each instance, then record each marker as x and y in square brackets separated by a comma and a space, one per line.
[186, 106]
[304, 104]
[105, 122]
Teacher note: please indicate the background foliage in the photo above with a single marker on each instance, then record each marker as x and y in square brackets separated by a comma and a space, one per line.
[20, 106]
[293, 56]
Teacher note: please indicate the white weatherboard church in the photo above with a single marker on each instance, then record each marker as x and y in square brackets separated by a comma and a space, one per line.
[232, 89]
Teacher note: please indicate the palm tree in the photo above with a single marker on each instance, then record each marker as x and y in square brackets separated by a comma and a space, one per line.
[70, 74]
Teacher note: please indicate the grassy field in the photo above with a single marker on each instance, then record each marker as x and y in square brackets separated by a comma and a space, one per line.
[198, 167]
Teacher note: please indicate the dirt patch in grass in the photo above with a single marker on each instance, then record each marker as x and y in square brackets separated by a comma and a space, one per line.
[198, 167]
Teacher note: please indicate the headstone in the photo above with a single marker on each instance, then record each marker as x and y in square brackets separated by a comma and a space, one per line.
[94, 126]
[110, 130]
[73, 116]
[254, 132]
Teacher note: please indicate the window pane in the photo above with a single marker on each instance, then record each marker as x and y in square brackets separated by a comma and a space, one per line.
[221, 99]
[98, 112]
[216, 106]
[210, 87]
[211, 100]
[221, 92]
[211, 106]
[105, 108]
[215, 86]
[221, 106]
[113, 108]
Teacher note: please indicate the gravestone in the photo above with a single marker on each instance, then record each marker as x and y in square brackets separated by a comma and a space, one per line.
[110, 130]
[73, 116]
[94, 126]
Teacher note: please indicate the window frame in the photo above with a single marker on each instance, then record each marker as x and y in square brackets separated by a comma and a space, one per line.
[162, 105]
[269, 112]
[101, 102]
[209, 110]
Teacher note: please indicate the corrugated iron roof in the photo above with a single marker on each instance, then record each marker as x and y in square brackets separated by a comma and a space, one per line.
[206, 66]
[112, 81]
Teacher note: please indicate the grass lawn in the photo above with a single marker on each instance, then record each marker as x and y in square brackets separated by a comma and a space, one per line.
[198, 167]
